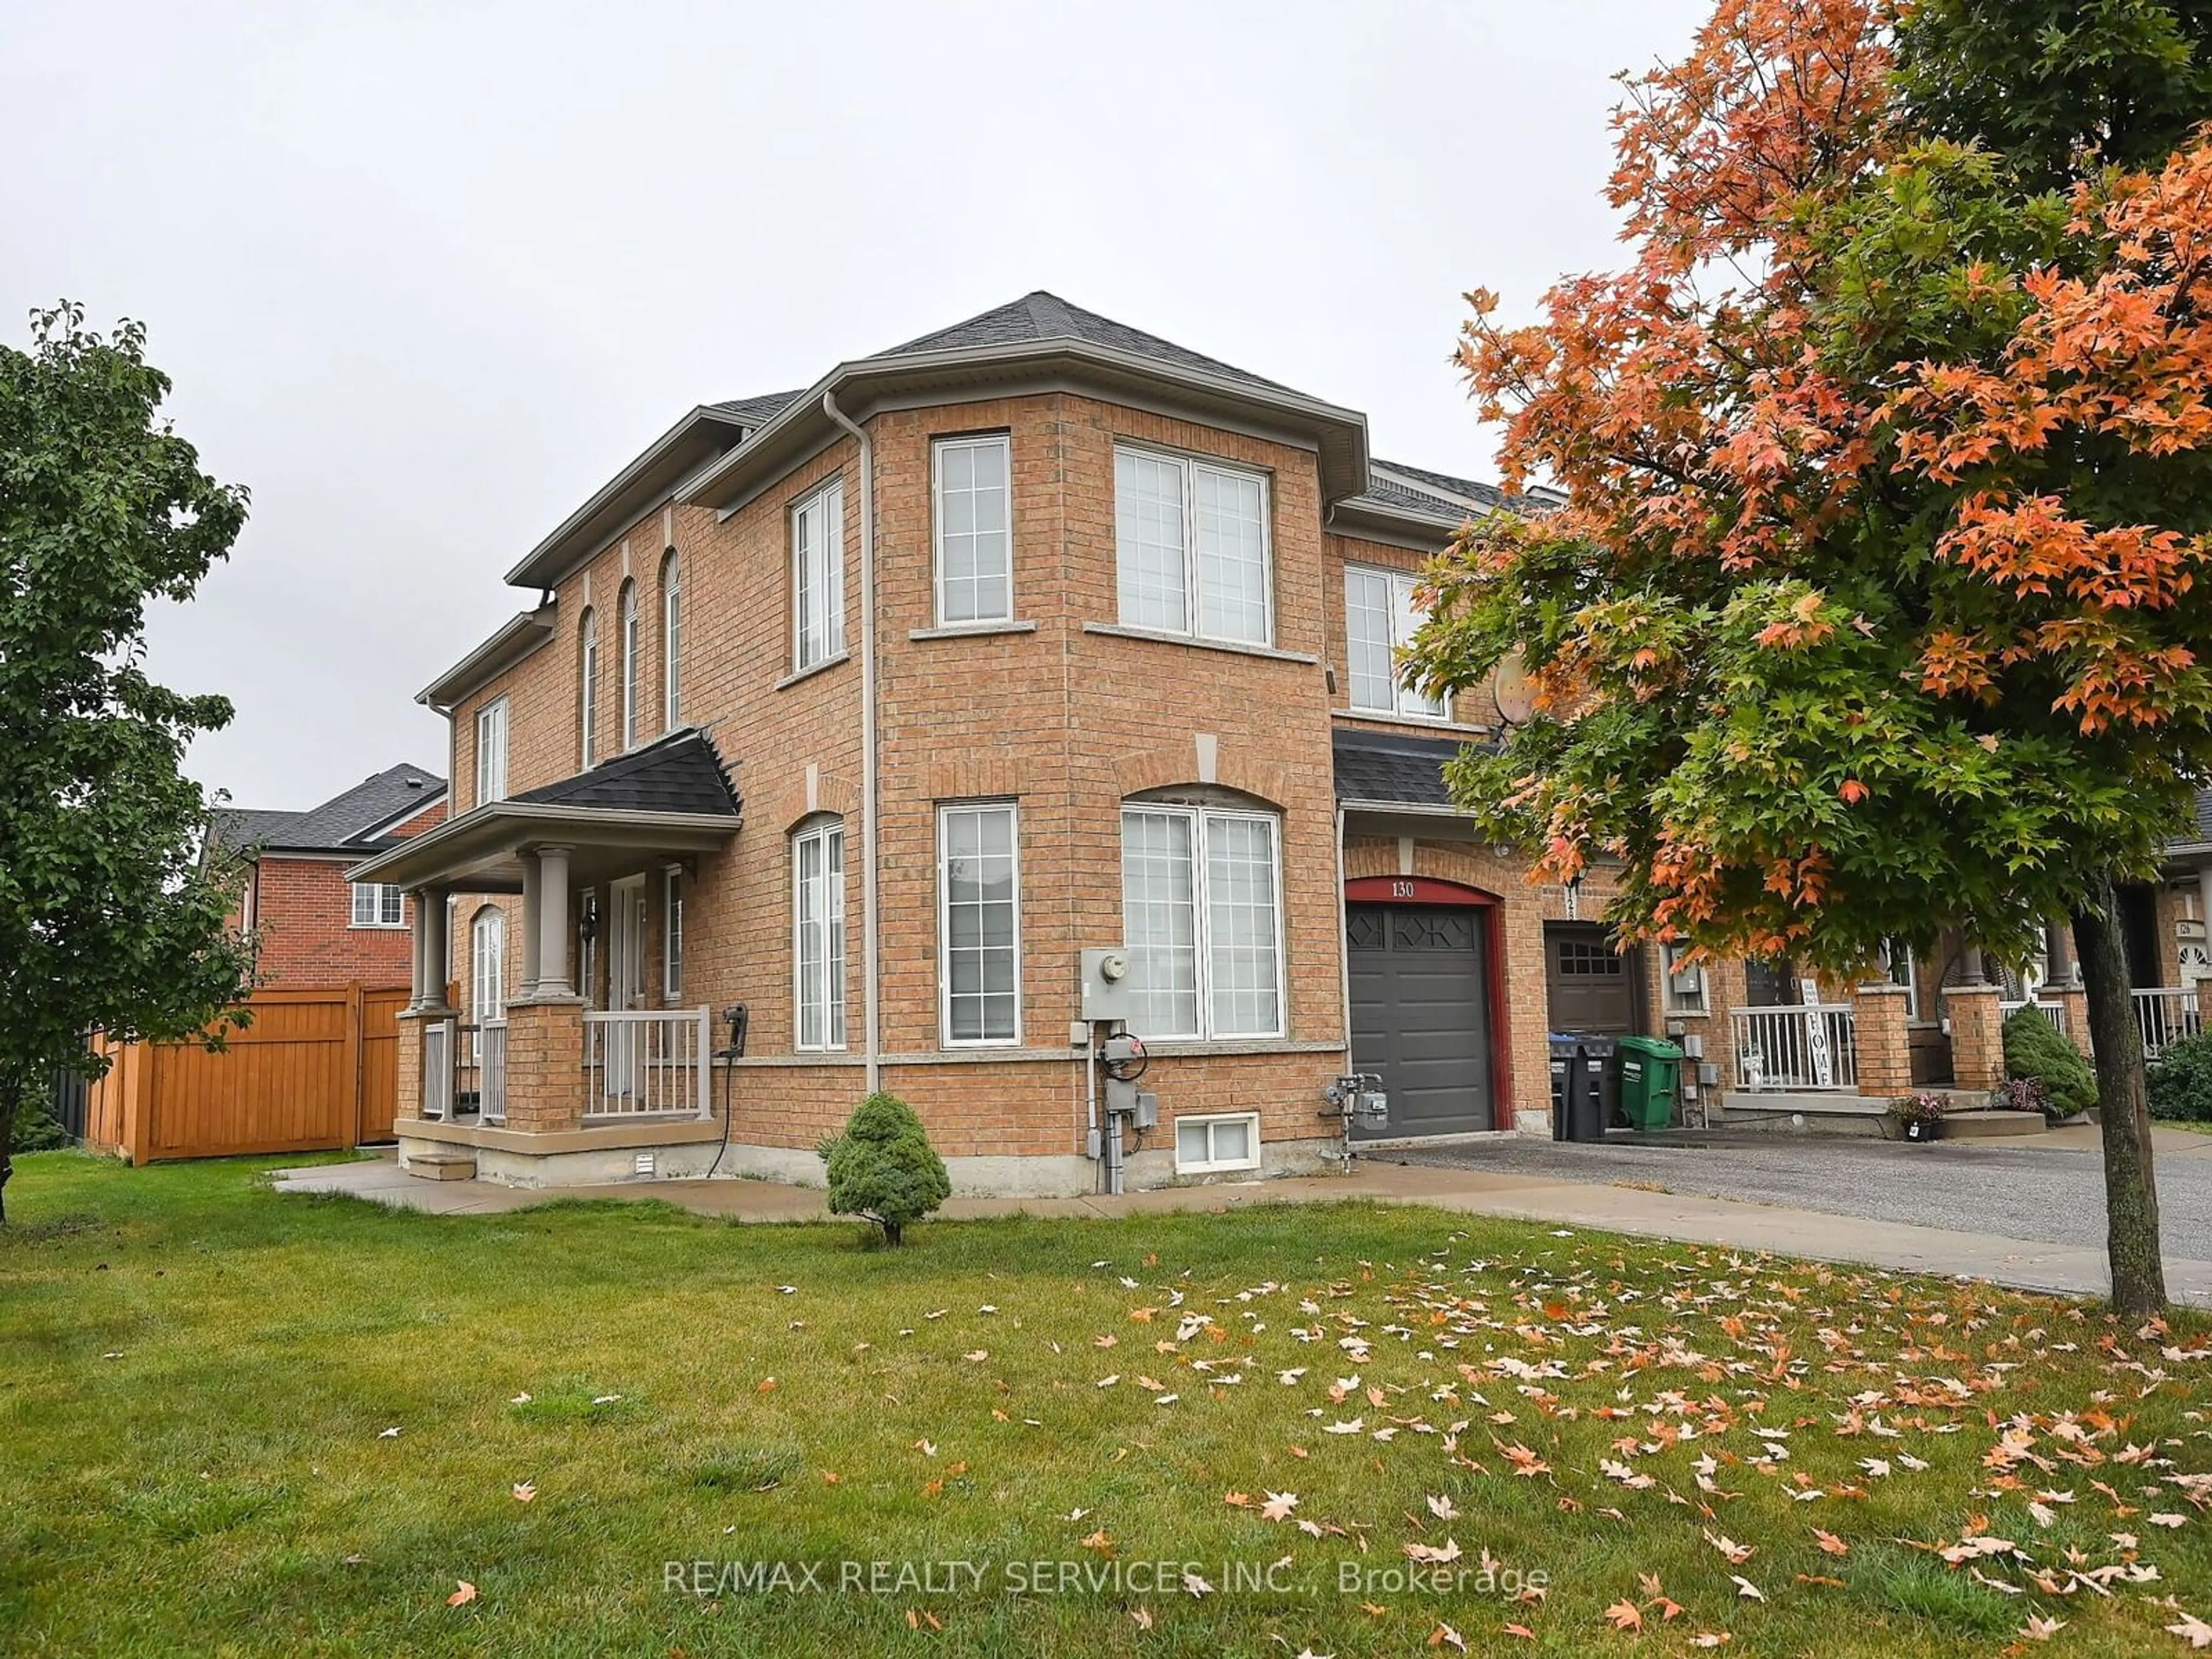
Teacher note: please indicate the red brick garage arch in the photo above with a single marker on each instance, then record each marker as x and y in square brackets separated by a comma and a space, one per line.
[1434, 889]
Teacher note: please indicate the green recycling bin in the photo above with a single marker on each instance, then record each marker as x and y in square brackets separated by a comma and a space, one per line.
[1651, 1081]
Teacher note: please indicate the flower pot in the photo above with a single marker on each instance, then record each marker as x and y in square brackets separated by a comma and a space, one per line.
[1917, 1130]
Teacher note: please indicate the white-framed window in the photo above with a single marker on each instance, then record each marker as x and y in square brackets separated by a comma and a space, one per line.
[377, 904]
[630, 667]
[1685, 981]
[1205, 1145]
[1201, 917]
[818, 577]
[1897, 962]
[672, 642]
[672, 938]
[979, 940]
[587, 693]
[817, 914]
[1191, 546]
[587, 945]
[973, 481]
[488, 965]
[491, 752]
[1378, 620]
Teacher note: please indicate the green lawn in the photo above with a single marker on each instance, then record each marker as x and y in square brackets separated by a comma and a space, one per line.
[199, 1381]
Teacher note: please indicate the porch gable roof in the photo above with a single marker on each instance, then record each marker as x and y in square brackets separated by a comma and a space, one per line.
[672, 796]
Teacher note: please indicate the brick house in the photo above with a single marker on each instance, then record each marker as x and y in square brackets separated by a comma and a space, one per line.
[317, 928]
[872, 707]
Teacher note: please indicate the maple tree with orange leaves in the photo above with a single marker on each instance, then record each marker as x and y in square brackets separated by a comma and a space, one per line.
[1877, 607]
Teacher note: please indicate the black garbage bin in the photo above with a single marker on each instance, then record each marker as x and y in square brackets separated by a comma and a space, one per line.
[1579, 1065]
[1602, 1054]
[1564, 1063]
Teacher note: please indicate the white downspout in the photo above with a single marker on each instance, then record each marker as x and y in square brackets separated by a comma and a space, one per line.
[872, 968]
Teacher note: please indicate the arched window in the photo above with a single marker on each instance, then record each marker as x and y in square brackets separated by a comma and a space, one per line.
[817, 918]
[672, 642]
[630, 665]
[488, 965]
[587, 694]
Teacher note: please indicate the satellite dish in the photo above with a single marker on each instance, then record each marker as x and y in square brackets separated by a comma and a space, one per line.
[1514, 692]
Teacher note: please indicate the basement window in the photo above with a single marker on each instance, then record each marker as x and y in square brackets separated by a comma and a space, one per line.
[1210, 1145]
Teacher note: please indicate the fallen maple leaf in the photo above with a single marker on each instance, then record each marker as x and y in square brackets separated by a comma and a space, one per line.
[524, 1491]
[2191, 1629]
[2040, 1629]
[464, 1592]
[1831, 1543]
[1625, 1616]
[1279, 1505]
[1737, 1554]
[1746, 1589]
[1443, 1634]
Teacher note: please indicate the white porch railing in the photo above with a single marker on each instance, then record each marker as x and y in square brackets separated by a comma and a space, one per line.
[2164, 1015]
[1776, 1051]
[648, 1062]
[491, 1071]
[2053, 1011]
[438, 1069]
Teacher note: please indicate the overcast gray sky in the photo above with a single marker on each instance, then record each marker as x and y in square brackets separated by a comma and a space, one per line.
[426, 275]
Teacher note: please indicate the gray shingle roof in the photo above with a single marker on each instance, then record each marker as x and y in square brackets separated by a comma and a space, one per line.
[2202, 834]
[1373, 766]
[680, 773]
[1042, 316]
[340, 824]
[756, 411]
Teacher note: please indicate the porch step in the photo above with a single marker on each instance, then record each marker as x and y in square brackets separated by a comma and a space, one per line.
[441, 1166]
[1977, 1126]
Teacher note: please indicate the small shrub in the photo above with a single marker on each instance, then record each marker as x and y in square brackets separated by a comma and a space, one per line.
[2179, 1082]
[882, 1168]
[2034, 1048]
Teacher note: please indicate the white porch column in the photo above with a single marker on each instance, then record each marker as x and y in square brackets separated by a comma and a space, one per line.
[532, 894]
[549, 936]
[2204, 900]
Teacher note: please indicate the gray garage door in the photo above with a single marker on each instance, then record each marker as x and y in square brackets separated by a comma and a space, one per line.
[1420, 1013]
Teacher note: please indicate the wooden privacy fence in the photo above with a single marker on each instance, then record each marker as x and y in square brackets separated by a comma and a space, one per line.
[316, 1071]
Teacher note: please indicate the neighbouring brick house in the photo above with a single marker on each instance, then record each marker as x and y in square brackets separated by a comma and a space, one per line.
[317, 928]
[871, 707]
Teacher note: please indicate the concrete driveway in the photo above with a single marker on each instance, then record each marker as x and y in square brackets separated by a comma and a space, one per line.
[2049, 1188]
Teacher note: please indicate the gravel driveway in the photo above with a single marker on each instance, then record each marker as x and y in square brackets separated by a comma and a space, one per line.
[2013, 1192]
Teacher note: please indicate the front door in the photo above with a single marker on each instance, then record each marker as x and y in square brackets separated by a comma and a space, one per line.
[1591, 985]
[1420, 1013]
[625, 984]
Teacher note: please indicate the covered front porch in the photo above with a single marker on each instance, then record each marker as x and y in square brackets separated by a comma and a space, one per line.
[583, 1068]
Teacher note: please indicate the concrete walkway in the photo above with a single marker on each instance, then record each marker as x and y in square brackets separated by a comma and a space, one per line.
[2023, 1264]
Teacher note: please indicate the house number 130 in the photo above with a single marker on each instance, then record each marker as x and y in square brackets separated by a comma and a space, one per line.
[1402, 890]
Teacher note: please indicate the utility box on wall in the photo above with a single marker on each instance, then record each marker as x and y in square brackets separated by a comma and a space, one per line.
[1109, 989]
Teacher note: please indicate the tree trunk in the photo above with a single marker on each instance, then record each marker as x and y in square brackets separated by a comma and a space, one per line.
[2130, 1186]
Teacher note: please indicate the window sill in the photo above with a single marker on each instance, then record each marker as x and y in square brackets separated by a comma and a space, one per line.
[376, 927]
[808, 673]
[1412, 722]
[1185, 1048]
[971, 630]
[1116, 630]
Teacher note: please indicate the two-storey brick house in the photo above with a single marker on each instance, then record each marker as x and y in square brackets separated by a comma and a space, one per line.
[870, 707]
[315, 928]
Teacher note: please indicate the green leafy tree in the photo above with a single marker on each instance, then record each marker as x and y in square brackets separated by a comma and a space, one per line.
[1876, 609]
[107, 920]
[882, 1168]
